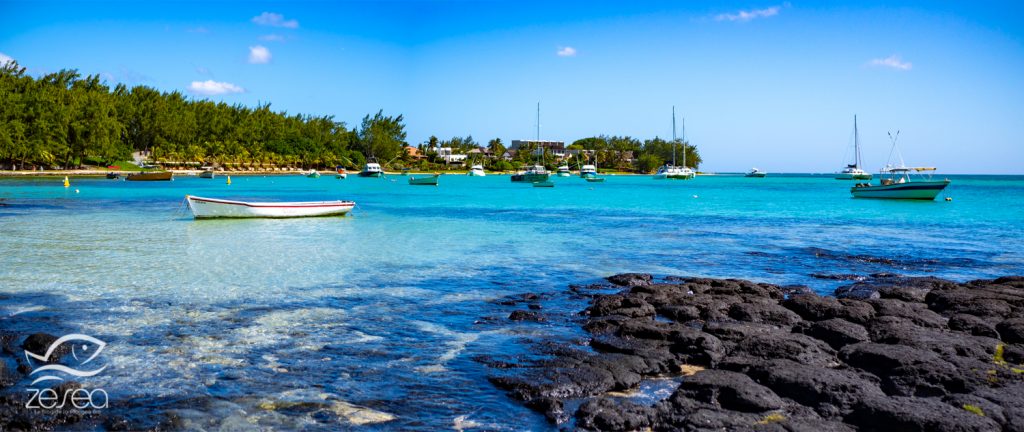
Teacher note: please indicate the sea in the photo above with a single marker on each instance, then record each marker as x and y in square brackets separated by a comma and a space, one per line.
[387, 318]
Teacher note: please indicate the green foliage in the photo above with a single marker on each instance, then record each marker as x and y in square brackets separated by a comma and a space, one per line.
[648, 163]
[62, 119]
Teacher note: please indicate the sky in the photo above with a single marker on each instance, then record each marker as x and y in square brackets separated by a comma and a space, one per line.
[771, 84]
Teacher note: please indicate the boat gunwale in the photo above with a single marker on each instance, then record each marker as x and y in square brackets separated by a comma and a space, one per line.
[285, 204]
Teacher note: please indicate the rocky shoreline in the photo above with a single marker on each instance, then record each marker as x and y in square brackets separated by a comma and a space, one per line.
[884, 353]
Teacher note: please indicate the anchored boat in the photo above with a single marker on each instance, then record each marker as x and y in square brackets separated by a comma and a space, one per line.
[754, 172]
[424, 181]
[853, 171]
[150, 176]
[476, 171]
[563, 171]
[898, 184]
[673, 172]
[209, 208]
[534, 174]
[371, 169]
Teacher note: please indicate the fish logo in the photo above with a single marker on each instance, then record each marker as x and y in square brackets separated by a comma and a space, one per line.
[88, 346]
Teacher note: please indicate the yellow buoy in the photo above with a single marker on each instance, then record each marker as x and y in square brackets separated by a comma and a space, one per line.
[66, 182]
[229, 179]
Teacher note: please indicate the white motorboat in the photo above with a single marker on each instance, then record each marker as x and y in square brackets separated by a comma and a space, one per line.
[754, 172]
[563, 171]
[588, 171]
[476, 171]
[371, 169]
[208, 208]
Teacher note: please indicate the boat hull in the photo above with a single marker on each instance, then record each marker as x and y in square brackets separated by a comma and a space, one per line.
[923, 190]
[153, 176]
[370, 174]
[211, 208]
[757, 175]
[530, 178]
[544, 184]
[848, 176]
[673, 176]
[207, 175]
[424, 181]
[594, 179]
[476, 174]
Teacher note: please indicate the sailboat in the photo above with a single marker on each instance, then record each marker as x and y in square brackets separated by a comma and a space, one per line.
[673, 172]
[853, 171]
[536, 173]
[898, 184]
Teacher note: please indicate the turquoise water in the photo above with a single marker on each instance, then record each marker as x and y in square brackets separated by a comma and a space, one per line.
[390, 308]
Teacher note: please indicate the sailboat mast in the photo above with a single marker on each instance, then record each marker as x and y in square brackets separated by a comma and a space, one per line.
[684, 142]
[673, 135]
[856, 143]
[539, 147]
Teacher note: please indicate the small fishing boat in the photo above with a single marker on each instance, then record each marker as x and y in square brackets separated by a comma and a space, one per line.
[588, 171]
[151, 176]
[113, 175]
[371, 169]
[853, 171]
[209, 208]
[476, 171]
[671, 171]
[563, 171]
[313, 174]
[595, 179]
[207, 174]
[424, 181]
[534, 174]
[754, 172]
[342, 174]
[898, 184]
[544, 184]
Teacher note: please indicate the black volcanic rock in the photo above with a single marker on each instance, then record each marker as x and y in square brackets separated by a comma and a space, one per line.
[886, 353]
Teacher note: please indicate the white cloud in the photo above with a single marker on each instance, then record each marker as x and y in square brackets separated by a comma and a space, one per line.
[272, 38]
[259, 54]
[211, 88]
[4, 59]
[744, 15]
[567, 52]
[893, 61]
[274, 20]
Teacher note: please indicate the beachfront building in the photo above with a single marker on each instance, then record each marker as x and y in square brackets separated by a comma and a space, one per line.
[554, 148]
[449, 156]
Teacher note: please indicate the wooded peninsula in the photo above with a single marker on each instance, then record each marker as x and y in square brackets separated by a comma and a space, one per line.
[63, 120]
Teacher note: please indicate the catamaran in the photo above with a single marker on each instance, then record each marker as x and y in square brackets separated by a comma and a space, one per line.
[536, 173]
[209, 208]
[898, 184]
[673, 172]
[853, 171]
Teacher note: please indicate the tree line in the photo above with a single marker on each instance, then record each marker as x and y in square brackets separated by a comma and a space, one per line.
[65, 120]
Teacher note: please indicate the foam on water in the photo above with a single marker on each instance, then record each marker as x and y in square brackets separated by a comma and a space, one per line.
[375, 319]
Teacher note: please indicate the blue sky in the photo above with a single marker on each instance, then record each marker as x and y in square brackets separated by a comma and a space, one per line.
[760, 83]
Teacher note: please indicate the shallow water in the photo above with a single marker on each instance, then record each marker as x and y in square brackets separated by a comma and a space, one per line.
[233, 322]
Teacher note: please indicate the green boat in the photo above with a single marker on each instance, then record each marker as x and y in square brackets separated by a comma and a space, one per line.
[534, 174]
[313, 174]
[900, 186]
[594, 179]
[546, 184]
[424, 181]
